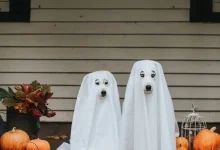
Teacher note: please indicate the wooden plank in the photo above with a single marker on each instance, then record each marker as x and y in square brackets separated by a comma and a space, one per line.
[109, 15]
[193, 80]
[109, 28]
[61, 116]
[110, 4]
[207, 116]
[66, 116]
[4, 6]
[195, 92]
[111, 40]
[179, 104]
[202, 105]
[176, 92]
[75, 79]
[216, 7]
[109, 53]
[72, 66]
[56, 104]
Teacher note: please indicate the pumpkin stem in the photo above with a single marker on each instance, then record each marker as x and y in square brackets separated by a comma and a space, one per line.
[213, 129]
[13, 129]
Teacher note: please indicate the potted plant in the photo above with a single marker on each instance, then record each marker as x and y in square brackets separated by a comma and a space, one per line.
[26, 105]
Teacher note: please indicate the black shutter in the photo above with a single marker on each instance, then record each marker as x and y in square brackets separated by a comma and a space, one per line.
[19, 11]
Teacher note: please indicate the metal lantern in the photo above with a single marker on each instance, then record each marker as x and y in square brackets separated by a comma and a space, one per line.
[191, 125]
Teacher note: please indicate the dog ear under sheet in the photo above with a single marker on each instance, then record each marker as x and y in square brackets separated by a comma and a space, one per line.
[95, 124]
[148, 120]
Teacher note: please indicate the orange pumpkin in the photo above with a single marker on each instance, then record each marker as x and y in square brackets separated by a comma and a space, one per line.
[14, 140]
[38, 144]
[181, 143]
[207, 140]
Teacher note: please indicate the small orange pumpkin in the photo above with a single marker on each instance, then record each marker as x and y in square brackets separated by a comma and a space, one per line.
[207, 140]
[182, 143]
[14, 140]
[38, 144]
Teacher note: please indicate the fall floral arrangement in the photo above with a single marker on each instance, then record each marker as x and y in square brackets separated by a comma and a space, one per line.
[29, 98]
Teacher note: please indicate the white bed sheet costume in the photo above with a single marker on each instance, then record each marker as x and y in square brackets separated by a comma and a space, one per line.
[148, 120]
[97, 114]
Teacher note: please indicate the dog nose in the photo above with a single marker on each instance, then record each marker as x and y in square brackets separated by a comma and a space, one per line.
[148, 87]
[103, 93]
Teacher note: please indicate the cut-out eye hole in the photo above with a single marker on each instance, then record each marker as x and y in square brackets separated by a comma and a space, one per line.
[97, 82]
[153, 74]
[142, 74]
[105, 82]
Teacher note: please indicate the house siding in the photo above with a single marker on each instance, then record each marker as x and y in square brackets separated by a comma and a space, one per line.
[69, 38]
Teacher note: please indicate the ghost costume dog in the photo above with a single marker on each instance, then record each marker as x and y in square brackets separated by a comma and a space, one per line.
[148, 119]
[97, 114]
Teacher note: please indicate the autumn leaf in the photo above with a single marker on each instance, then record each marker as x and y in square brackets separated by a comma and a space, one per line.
[9, 102]
[4, 94]
[11, 92]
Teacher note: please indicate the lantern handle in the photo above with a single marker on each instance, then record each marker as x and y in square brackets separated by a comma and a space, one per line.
[194, 108]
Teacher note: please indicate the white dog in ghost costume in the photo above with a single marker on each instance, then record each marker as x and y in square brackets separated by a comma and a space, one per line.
[148, 119]
[97, 114]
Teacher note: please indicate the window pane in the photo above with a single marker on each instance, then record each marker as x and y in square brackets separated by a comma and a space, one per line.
[4, 5]
[216, 5]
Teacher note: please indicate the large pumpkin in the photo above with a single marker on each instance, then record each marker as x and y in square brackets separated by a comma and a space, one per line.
[207, 140]
[38, 144]
[181, 143]
[14, 140]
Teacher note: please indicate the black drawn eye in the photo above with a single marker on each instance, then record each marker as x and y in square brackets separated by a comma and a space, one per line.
[142, 74]
[97, 82]
[153, 74]
[105, 82]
